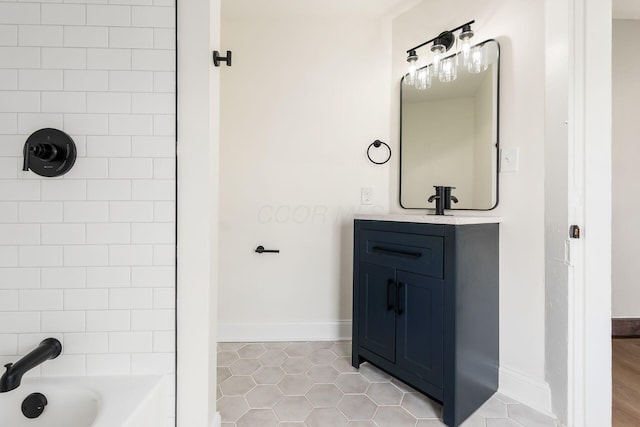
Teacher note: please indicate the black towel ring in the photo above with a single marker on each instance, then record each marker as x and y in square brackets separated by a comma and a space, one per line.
[377, 143]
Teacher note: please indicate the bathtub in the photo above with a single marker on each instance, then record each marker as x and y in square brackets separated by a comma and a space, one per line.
[135, 401]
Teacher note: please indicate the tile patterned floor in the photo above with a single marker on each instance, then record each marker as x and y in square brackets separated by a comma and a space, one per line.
[283, 384]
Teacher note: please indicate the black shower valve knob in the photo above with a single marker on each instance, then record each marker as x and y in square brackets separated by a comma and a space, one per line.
[49, 152]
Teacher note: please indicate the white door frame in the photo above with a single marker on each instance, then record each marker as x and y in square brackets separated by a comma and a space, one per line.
[590, 206]
[198, 117]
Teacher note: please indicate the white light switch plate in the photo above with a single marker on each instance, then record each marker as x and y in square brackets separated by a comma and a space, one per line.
[509, 159]
[366, 196]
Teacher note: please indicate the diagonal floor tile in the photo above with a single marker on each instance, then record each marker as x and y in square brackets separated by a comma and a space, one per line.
[325, 417]
[295, 384]
[268, 375]
[352, 383]
[394, 416]
[232, 407]
[420, 406]
[324, 395]
[258, 418]
[292, 408]
[264, 396]
[357, 407]
[384, 394]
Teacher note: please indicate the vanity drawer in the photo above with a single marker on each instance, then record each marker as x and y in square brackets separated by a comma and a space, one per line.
[415, 253]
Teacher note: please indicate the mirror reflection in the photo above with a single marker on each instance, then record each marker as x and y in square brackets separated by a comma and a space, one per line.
[449, 131]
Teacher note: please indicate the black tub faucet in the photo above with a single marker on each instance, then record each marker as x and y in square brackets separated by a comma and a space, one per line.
[443, 198]
[49, 348]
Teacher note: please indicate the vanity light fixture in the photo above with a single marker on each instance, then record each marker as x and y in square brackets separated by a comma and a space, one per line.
[441, 45]
[445, 69]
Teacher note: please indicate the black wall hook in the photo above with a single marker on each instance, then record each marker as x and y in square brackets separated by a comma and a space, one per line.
[217, 59]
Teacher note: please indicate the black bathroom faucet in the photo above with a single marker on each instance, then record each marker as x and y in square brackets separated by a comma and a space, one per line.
[448, 198]
[49, 348]
[443, 198]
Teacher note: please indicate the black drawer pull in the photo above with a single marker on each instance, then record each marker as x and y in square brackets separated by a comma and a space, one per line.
[388, 251]
[390, 289]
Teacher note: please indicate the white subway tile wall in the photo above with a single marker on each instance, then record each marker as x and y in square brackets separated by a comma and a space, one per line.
[89, 258]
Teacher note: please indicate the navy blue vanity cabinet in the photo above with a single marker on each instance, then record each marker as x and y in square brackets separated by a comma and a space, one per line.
[377, 305]
[425, 308]
[420, 326]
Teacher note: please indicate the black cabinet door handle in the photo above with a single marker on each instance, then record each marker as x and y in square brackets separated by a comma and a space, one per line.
[399, 309]
[396, 252]
[390, 294]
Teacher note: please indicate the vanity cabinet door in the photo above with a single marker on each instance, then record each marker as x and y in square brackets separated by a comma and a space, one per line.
[420, 326]
[377, 331]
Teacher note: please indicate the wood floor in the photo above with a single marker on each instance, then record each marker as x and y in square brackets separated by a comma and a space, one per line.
[626, 382]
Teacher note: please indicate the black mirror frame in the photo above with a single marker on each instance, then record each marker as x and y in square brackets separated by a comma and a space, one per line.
[497, 144]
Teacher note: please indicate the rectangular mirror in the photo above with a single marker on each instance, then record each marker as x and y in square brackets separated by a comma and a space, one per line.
[449, 131]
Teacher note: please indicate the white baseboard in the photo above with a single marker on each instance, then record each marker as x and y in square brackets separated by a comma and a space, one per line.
[527, 390]
[263, 332]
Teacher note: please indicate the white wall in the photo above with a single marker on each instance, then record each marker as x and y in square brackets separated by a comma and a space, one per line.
[558, 197]
[89, 258]
[517, 26]
[626, 177]
[304, 98]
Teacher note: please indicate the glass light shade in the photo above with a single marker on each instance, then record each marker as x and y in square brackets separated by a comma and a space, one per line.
[436, 62]
[423, 79]
[438, 49]
[478, 61]
[412, 69]
[448, 70]
[465, 38]
[410, 78]
[466, 50]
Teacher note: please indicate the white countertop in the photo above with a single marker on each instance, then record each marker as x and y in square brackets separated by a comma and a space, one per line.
[431, 219]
